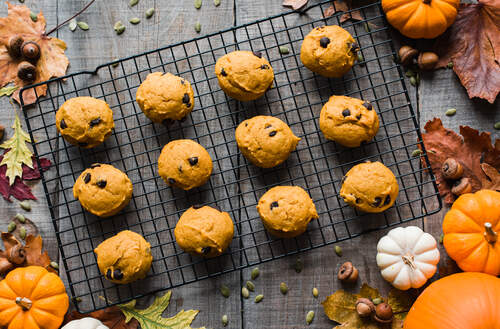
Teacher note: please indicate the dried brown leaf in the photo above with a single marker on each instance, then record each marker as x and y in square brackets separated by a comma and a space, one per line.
[492, 182]
[112, 317]
[295, 4]
[347, 8]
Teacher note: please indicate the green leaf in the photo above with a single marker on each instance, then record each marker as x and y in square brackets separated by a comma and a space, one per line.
[18, 154]
[8, 90]
[150, 318]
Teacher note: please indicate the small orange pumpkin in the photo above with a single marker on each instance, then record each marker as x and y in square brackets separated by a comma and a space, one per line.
[471, 230]
[421, 18]
[458, 301]
[32, 298]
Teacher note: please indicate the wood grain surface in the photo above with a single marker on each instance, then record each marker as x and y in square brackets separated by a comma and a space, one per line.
[174, 21]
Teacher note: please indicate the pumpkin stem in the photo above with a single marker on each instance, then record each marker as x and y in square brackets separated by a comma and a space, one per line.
[490, 235]
[24, 303]
[409, 260]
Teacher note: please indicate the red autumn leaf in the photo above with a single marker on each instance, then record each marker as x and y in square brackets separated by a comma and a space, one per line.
[52, 62]
[33, 174]
[295, 4]
[473, 45]
[111, 317]
[472, 149]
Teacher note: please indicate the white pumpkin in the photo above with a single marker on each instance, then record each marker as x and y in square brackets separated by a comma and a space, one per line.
[407, 257]
[85, 323]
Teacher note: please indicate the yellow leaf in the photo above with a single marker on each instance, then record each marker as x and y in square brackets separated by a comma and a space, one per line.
[150, 318]
[18, 153]
[8, 90]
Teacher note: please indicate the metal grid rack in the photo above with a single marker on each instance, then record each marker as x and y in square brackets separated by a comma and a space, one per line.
[235, 186]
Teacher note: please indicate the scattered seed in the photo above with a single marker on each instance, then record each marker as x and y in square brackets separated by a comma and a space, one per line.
[33, 16]
[225, 320]
[416, 153]
[115, 64]
[119, 27]
[284, 50]
[224, 290]
[22, 232]
[338, 251]
[197, 27]
[83, 25]
[150, 12]
[497, 125]
[259, 298]
[197, 4]
[283, 288]
[299, 265]
[54, 265]
[72, 25]
[11, 227]
[77, 299]
[245, 293]
[217, 3]
[441, 238]
[133, 3]
[25, 205]
[377, 300]
[410, 73]
[310, 317]
[20, 218]
[315, 292]
[451, 112]
[450, 65]
[135, 20]
[255, 273]
[360, 58]
[413, 81]
[250, 286]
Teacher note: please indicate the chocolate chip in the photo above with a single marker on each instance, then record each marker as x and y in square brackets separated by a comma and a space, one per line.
[180, 168]
[95, 122]
[117, 274]
[185, 118]
[346, 112]
[168, 122]
[197, 206]
[108, 273]
[377, 202]
[185, 98]
[188, 105]
[258, 54]
[267, 126]
[387, 200]
[273, 133]
[368, 106]
[193, 161]
[265, 67]
[358, 116]
[87, 177]
[63, 124]
[83, 144]
[95, 165]
[246, 124]
[354, 46]
[171, 181]
[358, 200]
[102, 183]
[205, 250]
[324, 42]
[223, 73]
[274, 205]
[183, 82]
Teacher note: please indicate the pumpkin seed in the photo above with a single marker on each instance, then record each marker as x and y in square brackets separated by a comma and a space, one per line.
[441, 238]
[413, 81]
[250, 286]
[377, 300]
[410, 73]
[217, 3]
[197, 4]
[33, 16]
[255, 273]
[299, 265]
[315, 292]
[135, 20]
[259, 298]
[338, 251]
[245, 293]
[11, 227]
[54, 265]
[497, 125]
[225, 320]
[20, 218]
[450, 65]
[25, 205]
[224, 290]
[283, 288]
[133, 3]
[360, 57]
[119, 27]
[416, 153]
[197, 27]
[22, 232]
[84, 26]
[72, 25]
[309, 317]
[284, 50]
[150, 12]
[77, 299]
[451, 112]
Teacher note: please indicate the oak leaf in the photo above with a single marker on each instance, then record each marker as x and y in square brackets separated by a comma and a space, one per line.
[295, 4]
[52, 62]
[112, 317]
[470, 148]
[473, 45]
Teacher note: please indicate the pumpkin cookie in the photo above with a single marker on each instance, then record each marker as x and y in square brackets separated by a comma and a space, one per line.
[244, 75]
[103, 190]
[165, 97]
[85, 121]
[286, 211]
[370, 187]
[265, 141]
[124, 258]
[348, 121]
[185, 164]
[329, 51]
[204, 231]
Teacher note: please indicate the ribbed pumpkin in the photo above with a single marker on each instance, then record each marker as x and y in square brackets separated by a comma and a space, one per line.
[471, 230]
[32, 298]
[458, 301]
[421, 18]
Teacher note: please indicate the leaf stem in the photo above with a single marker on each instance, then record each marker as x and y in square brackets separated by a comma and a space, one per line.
[69, 19]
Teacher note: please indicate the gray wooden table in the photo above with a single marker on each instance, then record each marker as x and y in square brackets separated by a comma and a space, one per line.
[174, 21]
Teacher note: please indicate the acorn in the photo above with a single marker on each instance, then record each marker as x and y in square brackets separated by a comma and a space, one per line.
[427, 60]
[14, 47]
[365, 307]
[26, 72]
[461, 186]
[30, 51]
[452, 169]
[407, 54]
[383, 313]
[348, 273]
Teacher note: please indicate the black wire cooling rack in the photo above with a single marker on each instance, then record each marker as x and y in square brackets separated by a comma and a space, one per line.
[235, 186]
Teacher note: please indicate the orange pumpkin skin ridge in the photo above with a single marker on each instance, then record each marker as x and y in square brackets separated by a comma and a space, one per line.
[459, 301]
[464, 232]
[45, 291]
[416, 19]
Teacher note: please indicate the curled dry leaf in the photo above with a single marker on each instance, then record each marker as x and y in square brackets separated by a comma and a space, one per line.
[473, 45]
[474, 151]
[52, 62]
[295, 4]
[348, 9]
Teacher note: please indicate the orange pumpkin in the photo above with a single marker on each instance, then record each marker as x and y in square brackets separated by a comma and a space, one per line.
[471, 232]
[421, 18]
[458, 301]
[32, 298]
